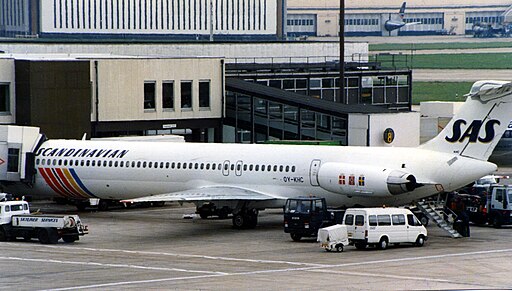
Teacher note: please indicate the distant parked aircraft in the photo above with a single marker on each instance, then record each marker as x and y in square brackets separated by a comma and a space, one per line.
[396, 21]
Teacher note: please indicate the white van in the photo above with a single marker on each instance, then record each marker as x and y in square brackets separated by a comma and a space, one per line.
[383, 226]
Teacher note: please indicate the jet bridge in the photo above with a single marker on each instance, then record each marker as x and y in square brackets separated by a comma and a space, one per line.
[18, 145]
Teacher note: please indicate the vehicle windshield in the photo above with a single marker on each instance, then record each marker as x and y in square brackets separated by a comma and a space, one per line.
[298, 206]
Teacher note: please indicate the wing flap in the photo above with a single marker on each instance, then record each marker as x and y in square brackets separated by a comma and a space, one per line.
[221, 193]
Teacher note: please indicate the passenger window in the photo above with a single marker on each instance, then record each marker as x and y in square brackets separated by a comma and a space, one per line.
[245, 167]
[184, 165]
[232, 167]
[7, 208]
[293, 169]
[178, 166]
[167, 165]
[133, 164]
[161, 165]
[287, 169]
[190, 166]
[269, 168]
[213, 166]
[110, 163]
[359, 220]
[383, 220]
[202, 166]
[398, 219]
[82, 163]
[280, 168]
[372, 220]
[87, 163]
[37, 162]
[349, 219]
[115, 164]
[138, 164]
[93, 163]
[257, 168]
[60, 162]
[208, 166]
[275, 168]
[196, 166]
[150, 164]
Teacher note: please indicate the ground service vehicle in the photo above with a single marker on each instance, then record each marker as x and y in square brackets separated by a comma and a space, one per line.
[383, 226]
[17, 222]
[333, 237]
[303, 216]
[485, 204]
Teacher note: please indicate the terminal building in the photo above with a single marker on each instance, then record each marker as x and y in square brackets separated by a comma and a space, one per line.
[366, 17]
[234, 98]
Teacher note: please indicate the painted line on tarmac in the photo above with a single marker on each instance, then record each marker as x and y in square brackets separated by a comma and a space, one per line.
[109, 265]
[311, 268]
[382, 276]
[146, 253]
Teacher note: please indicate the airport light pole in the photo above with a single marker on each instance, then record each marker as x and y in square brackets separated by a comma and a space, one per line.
[342, 51]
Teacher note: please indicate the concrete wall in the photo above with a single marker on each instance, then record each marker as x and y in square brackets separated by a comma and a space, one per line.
[405, 126]
[120, 87]
[7, 76]
[243, 52]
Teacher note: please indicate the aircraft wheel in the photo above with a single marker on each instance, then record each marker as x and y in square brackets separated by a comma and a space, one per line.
[103, 205]
[203, 214]
[239, 220]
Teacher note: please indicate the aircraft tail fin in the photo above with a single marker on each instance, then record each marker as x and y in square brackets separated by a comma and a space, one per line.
[402, 10]
[480, 122]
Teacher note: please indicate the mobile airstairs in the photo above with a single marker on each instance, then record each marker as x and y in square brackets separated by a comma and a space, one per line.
[444, 218]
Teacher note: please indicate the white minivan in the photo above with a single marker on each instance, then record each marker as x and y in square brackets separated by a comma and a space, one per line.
[383, 226]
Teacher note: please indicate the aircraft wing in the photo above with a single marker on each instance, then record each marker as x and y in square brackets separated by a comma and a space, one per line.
[412, 23]
[216, 193]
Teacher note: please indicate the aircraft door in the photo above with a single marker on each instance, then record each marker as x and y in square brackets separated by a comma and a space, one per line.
[238, 168]
[3, 161]
[225, 168]
[313, 172]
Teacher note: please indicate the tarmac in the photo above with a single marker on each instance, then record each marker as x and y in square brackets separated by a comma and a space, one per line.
[156, 249]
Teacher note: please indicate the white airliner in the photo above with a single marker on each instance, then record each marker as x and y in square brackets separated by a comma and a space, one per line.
[247, 178]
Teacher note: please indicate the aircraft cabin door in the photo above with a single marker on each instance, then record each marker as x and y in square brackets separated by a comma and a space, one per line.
[238, 169]
[225, 168]
[313, 172]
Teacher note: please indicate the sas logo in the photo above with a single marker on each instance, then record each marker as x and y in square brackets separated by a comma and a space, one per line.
[472, 131]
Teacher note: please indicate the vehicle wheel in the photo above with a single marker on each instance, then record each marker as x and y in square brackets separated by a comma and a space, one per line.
[420, 241]
[48, 236]
[360, 246]
[239, 220]
[424, 220]
[295, 237]
[383, 243]
[103, 205]
[3, 237]
[70, 238]
[496, 221]
[339, 248]
[203, 214]
[43, 236]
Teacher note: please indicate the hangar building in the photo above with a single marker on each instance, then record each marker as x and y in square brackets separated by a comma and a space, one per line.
[127, 19]
[367, 17]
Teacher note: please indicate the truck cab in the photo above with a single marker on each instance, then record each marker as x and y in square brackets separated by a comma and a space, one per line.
[10, 208]
[304, 216]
